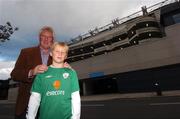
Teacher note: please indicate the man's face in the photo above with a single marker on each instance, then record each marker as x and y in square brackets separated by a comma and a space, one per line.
[46, 40]
[59, 54]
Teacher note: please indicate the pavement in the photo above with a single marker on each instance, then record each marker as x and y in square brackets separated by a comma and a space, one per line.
[100, 97]
[128, 95]
[112, 110]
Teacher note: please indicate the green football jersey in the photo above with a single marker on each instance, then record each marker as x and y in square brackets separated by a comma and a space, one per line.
[55, 87]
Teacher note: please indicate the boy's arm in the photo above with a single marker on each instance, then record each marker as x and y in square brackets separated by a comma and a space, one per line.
[33, 105]
[76, 105]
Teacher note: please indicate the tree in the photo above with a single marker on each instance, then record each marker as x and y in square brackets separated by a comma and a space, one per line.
[6, 31]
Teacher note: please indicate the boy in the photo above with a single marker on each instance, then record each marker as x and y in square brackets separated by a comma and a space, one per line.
[56, 91]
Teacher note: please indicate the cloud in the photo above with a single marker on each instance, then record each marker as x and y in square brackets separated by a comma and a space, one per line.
[5, 69]
[69, 18]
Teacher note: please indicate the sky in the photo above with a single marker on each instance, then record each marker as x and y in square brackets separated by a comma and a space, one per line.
[69, 19]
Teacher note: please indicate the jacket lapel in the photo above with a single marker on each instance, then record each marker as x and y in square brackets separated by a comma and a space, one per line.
[39, 59]
[38, 55]
[49, 60]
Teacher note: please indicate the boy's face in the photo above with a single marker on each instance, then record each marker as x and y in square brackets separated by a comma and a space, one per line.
[59, 54]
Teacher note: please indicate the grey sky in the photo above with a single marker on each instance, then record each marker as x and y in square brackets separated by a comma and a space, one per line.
[69, 18]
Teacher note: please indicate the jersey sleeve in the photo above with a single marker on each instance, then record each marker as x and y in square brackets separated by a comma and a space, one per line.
[75, 83]
[37, 84]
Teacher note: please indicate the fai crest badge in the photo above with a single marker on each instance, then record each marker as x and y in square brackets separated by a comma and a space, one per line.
[65, 75]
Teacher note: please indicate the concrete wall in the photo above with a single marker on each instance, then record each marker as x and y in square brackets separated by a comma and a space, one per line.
[12, 94]
[148, 54]
[13, 90]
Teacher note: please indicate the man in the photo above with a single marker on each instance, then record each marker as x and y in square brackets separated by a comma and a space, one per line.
[56, 91]
[30, 62]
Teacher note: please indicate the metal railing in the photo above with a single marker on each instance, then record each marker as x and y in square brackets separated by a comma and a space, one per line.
[116, 22]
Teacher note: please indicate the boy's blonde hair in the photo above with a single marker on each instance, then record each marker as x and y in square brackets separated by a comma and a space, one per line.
[62, 44]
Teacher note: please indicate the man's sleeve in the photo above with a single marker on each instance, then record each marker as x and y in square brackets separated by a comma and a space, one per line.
[21, 69]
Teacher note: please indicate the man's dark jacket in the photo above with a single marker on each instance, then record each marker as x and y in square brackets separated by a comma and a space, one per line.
[28, 59]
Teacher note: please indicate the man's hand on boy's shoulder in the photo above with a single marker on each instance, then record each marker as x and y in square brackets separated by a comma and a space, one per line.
[66, 65]
[39, 69]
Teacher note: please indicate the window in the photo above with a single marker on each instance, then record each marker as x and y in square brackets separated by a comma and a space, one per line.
[176, 18]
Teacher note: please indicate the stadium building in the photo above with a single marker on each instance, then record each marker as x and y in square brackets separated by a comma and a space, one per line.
[137, 53]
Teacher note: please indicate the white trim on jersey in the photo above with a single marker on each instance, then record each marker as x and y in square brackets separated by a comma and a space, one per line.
[76, 105]
[34, 102]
